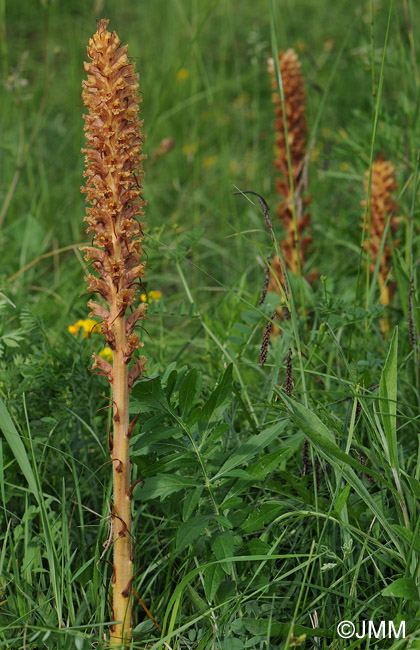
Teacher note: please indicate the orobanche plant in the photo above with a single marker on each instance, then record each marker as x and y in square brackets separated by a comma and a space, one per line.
[113, 188]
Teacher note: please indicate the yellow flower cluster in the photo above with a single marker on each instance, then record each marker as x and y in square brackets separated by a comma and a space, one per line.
[153, 296]
[107, 354]
[88, 325]
[182, 74]
[91, 326]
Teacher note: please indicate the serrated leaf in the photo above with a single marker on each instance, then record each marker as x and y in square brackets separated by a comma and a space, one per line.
[250, 448]
[213, 576]
[262, 515]
[190, 502]
[170, 385]
[222, 547]
[187, 392]
[265, 465]
[237, 473]
[402, 588]
[190, 530]
[148, 392]
[144, 442]
[217, 402]
[162, 485]
[224, 521]
[256, 546]
[231, 502]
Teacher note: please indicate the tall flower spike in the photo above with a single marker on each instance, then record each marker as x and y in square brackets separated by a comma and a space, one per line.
[294, 94]
[113, 187]
[382, 205]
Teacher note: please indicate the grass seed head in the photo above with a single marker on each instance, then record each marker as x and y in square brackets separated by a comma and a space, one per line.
[266, 340]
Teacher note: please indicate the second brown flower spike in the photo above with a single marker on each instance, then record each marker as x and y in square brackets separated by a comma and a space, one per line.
[294, 104]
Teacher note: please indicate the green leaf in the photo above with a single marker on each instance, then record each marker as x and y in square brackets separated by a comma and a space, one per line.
[231, 502]
[187, 392]
[213, 576]
[321, 437]
[388, 399]
[18, 449]
[217, 402]
[170, 385]
[190, 530]
[402, 588]
[13, 339]
[163, 485]
[415, 486]
[149, 393]
[222, 547]
[260, 627]
[265, 465]
[260, 516]
[190, 502]
[251, 448]
[341, 499]
[408, 536]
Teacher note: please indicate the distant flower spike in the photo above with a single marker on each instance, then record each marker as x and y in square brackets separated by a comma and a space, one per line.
[295, 100]
[382, 205]
[113, 187]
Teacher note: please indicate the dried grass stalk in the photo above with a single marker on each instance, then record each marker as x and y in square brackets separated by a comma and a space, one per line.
[113, 188]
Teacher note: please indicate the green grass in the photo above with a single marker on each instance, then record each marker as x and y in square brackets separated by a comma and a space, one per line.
[236, 547]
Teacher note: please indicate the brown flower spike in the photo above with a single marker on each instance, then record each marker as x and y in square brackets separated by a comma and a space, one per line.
[382, 205]
[113, 188]
[294, 94]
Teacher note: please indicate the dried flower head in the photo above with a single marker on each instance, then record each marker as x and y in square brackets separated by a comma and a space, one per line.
[382, 205]
[295, 101]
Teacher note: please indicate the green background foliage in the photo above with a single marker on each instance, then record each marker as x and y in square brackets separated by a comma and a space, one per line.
[236, 545]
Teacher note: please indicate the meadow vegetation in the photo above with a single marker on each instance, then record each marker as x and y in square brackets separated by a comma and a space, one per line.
[274, 499]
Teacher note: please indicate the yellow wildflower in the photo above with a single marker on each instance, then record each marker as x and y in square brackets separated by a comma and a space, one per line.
[88, 325]
[189, 149]
[107, 354]
[209, 161]
[153, 296]
[182, 74]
